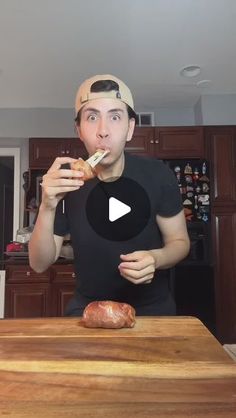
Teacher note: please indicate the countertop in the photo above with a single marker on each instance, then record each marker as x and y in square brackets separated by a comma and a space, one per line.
[163, 367]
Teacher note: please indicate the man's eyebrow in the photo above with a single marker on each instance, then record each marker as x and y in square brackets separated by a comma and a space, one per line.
[93, 109]
[116, 110]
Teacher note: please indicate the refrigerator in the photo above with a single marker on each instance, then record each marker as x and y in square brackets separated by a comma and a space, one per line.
[193, 178]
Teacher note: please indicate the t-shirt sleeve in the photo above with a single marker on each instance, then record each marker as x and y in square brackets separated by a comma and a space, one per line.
[170, 200]
[61, 225]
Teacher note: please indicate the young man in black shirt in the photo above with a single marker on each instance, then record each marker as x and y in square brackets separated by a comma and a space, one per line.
[126, 259]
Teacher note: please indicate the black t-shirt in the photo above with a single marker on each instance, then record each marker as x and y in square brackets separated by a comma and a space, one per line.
[97, 259]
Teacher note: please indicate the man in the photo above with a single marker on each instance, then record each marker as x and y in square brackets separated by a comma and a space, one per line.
[132, 270]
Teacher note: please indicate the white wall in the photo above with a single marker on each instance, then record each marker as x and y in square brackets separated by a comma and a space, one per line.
[198, 112]
[219, 109]
[174, 116]
[26, 123]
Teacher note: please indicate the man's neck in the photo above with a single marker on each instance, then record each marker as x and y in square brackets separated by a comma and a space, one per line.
[114, 171]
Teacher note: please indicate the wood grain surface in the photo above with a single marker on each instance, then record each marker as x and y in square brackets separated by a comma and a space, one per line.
[163, 367]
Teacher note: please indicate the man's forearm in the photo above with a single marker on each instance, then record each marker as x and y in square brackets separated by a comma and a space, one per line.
[170, 254]
[42, 247]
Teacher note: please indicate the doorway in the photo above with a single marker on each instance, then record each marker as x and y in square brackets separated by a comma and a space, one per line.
[9, 196]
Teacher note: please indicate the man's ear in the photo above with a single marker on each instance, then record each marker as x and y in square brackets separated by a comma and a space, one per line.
[131, 129]
[77, 130]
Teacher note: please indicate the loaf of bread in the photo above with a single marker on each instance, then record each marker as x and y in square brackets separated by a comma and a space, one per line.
[81, 165]
[108, 314]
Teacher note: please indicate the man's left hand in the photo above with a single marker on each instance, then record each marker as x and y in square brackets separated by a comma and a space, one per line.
[137, 267]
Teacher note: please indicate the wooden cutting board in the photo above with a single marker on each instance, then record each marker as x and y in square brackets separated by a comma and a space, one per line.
[165, 367]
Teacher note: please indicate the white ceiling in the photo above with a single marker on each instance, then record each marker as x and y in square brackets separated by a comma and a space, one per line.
[47, 47]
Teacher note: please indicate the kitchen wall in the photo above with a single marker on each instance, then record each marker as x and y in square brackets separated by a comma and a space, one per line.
[219, 109]
[25, 123]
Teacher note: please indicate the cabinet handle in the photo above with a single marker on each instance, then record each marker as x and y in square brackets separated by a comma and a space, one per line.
[73, 275]
[67, 152]
[28, 273]
[62, 152]
[156, 141]
[151, 142]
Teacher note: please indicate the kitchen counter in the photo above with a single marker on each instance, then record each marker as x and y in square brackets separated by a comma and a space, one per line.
[164, 366]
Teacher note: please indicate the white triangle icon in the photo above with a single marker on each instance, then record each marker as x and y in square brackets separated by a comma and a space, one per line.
[117, 209]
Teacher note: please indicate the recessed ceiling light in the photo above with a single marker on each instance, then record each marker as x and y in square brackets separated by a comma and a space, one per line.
[190, 71]
[204, 83]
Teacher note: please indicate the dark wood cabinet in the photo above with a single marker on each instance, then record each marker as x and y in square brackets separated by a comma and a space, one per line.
[168, 142]
[43, 151]
[178, 142]
[140, 143]
[63, 287]
[222, 153]
[27, 300]
[27, 293]
[222, 156]
[30, 294]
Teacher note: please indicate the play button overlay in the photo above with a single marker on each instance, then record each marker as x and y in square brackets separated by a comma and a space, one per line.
[118, 210]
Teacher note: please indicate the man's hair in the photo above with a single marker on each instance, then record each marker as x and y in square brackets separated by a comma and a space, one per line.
[107, 85]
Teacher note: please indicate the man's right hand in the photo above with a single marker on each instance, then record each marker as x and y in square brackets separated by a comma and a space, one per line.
[57, 182]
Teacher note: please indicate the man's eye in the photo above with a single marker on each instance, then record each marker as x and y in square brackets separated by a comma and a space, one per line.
[115, 117]
[92, 117]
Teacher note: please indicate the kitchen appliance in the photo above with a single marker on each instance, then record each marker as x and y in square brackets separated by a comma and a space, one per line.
[193, 178]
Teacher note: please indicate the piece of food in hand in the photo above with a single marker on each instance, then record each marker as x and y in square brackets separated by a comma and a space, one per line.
[88, 166]
[81, 165]
[109, 314]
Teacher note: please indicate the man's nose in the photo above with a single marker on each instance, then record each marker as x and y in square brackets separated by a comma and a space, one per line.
[102, 130]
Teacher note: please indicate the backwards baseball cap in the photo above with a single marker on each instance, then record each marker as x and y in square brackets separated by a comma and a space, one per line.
[89, 91]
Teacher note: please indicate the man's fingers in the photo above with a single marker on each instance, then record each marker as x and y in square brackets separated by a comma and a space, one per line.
[135, 274]
[65, 173]
[135, 256]
[143, 280]
[59, 161]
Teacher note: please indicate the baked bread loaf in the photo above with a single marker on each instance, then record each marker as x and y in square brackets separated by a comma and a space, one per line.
[81, 165]
[108, 314]
[88, 166]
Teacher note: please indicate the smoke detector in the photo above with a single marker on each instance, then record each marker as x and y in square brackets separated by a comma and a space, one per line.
[190, 71]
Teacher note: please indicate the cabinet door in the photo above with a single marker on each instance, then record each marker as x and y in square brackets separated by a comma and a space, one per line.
[224, 239]
[222, 141]
[43, 151]
[142, 141]
[27, 300]
[23, 273]
[61, 294]
[179, 142]
[63, 287]
[77, 149]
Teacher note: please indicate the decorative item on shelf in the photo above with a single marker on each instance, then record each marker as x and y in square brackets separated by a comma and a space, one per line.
[38, 189]
[14, 247]
[26, 181]
[32, 203]
[205, 187]
[23, 234]
[188, 179]
[177, 172]
[188, 169]
[196, 174]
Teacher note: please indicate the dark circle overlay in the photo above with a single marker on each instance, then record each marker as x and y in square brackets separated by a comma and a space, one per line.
[128, 192]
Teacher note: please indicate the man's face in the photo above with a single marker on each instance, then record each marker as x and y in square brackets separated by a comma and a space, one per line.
[105, 124]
